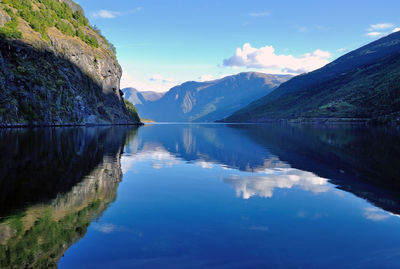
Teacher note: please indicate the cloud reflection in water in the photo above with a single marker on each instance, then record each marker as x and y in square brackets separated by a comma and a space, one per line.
[263, 184]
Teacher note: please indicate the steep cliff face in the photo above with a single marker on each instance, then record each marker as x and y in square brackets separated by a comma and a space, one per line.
[55, 67]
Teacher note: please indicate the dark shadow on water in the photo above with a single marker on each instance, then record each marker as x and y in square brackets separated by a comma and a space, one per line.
[37, 164]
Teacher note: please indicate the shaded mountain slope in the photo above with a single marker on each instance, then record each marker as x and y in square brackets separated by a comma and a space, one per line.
[152, 96]
[139, 98]
[211, 100]
[133, 96]
[362, 84]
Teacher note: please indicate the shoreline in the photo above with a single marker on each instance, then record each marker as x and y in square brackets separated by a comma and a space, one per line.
[302, 121]
[28, 126]
[320, 121]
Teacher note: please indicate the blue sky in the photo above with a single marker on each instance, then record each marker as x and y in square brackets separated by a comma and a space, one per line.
[163, 43]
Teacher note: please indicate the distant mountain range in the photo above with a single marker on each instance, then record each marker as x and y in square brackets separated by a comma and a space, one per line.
[204, 101]
[139, 98]
[363, 84]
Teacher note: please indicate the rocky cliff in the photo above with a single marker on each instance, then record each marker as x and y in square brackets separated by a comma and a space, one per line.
[55, 69]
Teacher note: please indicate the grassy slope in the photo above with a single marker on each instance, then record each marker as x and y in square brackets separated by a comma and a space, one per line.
[370, 90]
[41, 15]
[132, 111]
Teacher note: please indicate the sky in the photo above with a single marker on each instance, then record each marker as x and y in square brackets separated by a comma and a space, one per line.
[162, 43]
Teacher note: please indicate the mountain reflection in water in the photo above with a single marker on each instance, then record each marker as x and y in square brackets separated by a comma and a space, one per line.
[55, 182]
[357, 159]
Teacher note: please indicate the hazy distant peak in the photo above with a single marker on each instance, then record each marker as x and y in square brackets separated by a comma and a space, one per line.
[152, 96]
[133, 96]
[210, 100]
[140, 97]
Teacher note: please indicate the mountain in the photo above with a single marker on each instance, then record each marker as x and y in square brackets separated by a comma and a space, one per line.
[133, 96]
[139, 98]
[56, 69]
[152, 96]
[211, 100]
[361, 85]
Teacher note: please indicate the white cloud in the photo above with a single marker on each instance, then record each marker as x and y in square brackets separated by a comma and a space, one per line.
[137, 82]
[380, 26]
[259, 14]
[208, 77]
[266, 58]
[322, 27]
[156, 77]
[109, 14]
[106, 14]
[342, 50]
[375, 214]
[321, 54]
[303, 29]
[285, 178]
[159, 78]
[374, 34]
[381, 29]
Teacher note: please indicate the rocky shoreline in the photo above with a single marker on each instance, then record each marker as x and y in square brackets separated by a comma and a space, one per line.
[6, 126]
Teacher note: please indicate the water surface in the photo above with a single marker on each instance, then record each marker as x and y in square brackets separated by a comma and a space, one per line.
[200, 196]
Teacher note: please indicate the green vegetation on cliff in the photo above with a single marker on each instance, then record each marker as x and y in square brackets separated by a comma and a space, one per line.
[43, 14]
[10, 28]
[132, 112]
[56, 69]
[363, 84]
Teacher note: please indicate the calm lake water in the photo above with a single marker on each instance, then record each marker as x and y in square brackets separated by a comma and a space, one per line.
[200, 196]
